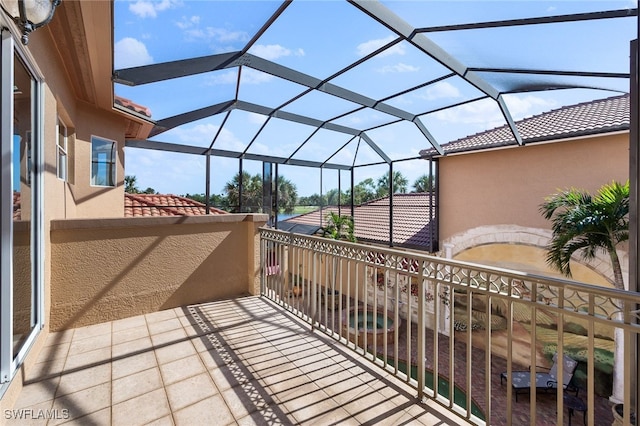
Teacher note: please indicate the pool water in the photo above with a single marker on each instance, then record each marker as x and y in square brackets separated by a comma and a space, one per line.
[459, 397]
[366, 322]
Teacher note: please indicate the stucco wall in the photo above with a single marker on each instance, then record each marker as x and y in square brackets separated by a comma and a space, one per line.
[108, 269]
[507, 186]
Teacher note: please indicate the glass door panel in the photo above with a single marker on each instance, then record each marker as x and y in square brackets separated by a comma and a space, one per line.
[23, 294]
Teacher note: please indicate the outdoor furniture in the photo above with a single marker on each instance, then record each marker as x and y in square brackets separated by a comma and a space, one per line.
[573, 403]
[520, 380]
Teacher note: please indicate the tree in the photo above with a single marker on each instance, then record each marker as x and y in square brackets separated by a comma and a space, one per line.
[131, 187]
[584, 225]
[287, 195]
[400, 184]
[424, 183]
[364, 191]
[339, 227]
[252, 193]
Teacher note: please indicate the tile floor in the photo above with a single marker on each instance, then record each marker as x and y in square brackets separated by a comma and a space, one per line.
[242, 361]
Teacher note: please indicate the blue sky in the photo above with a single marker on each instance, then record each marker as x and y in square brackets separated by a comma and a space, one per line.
[321, 37]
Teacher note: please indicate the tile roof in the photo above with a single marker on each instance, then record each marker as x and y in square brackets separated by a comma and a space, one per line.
[129, 104]
[411, 225]
[587, 118]
[139, 205]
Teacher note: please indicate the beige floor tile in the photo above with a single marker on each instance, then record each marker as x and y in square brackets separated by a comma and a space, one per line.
[132, 347]
[211, 411]
[51, 352]
[132, 364]
[43, 370]
[163, 326]
[181, 369]
[174, 352]
[169, 337]
[102, 417]
[247, 398]
[163, 421]
[38, 392]
[207, 342]
[160, 316]
[92, 343]
[28, 416]
[228, 376]
[284, 380]
[189, 391]
[141, 410]
[83, 379]
[307, 402]
[134, 385]
[334, 416]
[87, 359]
[129, 334]
[84, 402]
[127, 323]
[58, 337]
[92, 330]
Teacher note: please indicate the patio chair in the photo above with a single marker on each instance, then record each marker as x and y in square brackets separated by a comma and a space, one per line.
[520, 380]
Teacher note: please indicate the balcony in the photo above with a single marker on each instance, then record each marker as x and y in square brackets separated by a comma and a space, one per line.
[237, 361]
[290, 354]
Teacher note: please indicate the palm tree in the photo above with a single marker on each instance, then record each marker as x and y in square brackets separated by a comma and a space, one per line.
[400, 184]
[130, 185]
[584, 224]
[252, 193]
[423, 184]
[287, 195]
[339, 227]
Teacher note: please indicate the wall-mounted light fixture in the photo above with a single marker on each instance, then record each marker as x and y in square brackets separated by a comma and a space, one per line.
[29, 15]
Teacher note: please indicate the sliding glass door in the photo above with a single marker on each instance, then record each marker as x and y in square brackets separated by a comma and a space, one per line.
[21, 131]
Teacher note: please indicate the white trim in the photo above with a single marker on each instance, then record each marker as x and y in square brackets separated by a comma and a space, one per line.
[6, 214]
[115, 163]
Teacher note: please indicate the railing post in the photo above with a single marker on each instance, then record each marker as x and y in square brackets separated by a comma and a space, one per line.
[421, 330]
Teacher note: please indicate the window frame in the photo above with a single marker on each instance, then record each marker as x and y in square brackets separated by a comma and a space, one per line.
[62, 135]
[93, 178]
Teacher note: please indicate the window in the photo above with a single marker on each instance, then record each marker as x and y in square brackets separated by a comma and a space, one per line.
[103, 162]
[61, 158]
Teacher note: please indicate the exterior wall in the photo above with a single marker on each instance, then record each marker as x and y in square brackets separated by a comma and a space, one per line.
[103, 270]
[492, 197]
[507, 186]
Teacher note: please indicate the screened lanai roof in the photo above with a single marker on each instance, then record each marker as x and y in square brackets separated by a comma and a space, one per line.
[338, 84]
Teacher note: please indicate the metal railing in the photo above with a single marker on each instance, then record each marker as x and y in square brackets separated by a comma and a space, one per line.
[434, 322]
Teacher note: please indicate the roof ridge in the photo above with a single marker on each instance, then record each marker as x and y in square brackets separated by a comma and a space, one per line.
[586, 121]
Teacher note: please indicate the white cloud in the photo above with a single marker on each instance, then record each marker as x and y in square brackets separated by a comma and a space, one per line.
[399, 67]
[186, 23]
[249, 76]
[521, 107]
[192, 32]
[150, 9]
[130, 52]
[257, 118]
[440, 90]
[274, 51]
[367, 47]
[485, 111]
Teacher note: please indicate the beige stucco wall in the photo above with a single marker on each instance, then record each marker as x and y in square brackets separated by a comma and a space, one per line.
[530, 259]
[490, 200]
[507, 186]
[109, 269]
